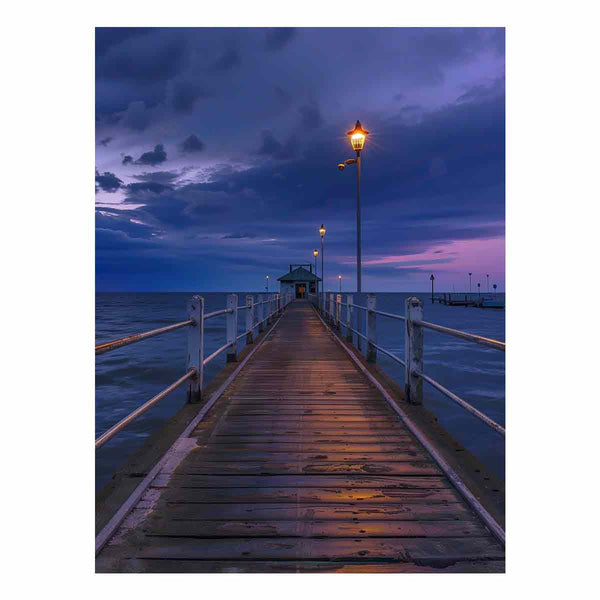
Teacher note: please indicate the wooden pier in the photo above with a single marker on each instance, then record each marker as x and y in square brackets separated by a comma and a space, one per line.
[301, 465]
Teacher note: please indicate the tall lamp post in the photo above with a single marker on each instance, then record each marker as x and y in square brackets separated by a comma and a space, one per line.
[267, 284]
[432, 280]
[495, 286]
[315, 254]
[470, 282]
[358, 135]
[488, 283]
[340, 278]
[322, 231]
[479, 290]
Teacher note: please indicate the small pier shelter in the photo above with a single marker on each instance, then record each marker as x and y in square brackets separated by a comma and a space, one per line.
[299, 281]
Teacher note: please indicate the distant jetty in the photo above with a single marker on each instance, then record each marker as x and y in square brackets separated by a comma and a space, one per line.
[463, 299]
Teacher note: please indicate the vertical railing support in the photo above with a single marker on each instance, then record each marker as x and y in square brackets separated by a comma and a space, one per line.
[349, 311]
[250, 319]
[232, 303]
[260, 314]
[195, 358]
[371, 330]
[413, 350]
[331, 308]
[338, 312]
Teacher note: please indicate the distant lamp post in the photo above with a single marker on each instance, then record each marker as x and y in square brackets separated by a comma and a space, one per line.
[432, 280]
[322, 231]
[358, 136]
[479, 290]
[470, 282]
[495, 286]
[340, 278]
[488, 283]
[315, 254]
[267, 284]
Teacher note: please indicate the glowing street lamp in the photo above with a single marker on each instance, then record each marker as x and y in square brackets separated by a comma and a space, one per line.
[340, 278]
[322, 231]
[358, 136]
[267, 284]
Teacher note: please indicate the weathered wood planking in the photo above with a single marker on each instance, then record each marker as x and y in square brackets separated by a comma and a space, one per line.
[302, 468]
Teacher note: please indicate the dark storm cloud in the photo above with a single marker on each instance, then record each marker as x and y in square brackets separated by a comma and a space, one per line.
[153, 157]
[192, 144]
[184, 95]
[104, 142]
[228, 60]
[143, 58]
[283, 98]
[127, 159]
[148, 186]
[311, 117]
[272, 147]
[277, 37]
[165, 177]
[107, 182]
[109, 36]
[136, 117]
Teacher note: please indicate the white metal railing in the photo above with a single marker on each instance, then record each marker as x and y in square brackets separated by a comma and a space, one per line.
[258, 315]
[414, 371]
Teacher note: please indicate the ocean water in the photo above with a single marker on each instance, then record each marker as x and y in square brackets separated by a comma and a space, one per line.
[129, 376]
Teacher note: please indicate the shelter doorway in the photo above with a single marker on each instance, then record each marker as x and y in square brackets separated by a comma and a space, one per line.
[300, 290]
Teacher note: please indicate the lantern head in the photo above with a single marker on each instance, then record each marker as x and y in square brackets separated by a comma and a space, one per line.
[322, 230]
[358, 136]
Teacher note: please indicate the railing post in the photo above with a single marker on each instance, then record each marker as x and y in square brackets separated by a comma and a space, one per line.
[278, 303]
[338, 312]
[331, 308]
[349, 311]
[413, 351]
[260, 314]
[195, 358]
[232, 303]
[250, 319]
[371, 330]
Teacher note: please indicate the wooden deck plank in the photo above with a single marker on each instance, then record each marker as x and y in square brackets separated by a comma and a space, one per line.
[410, 467]
[285, 548]
[313, 529]
[312, 511]
[329, 480]
[281, 566]
[301, 495]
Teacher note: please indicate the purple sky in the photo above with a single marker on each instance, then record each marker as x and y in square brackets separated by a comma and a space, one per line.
[217, 149]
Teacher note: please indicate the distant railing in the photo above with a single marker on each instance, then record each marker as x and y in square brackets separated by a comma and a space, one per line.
[413, 345]
[258, 315]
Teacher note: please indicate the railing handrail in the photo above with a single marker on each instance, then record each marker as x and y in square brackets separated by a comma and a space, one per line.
[138, 337]
[470, 337]
[110, 433]
[194, 375]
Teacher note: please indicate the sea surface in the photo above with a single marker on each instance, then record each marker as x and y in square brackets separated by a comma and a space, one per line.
[129, 376]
